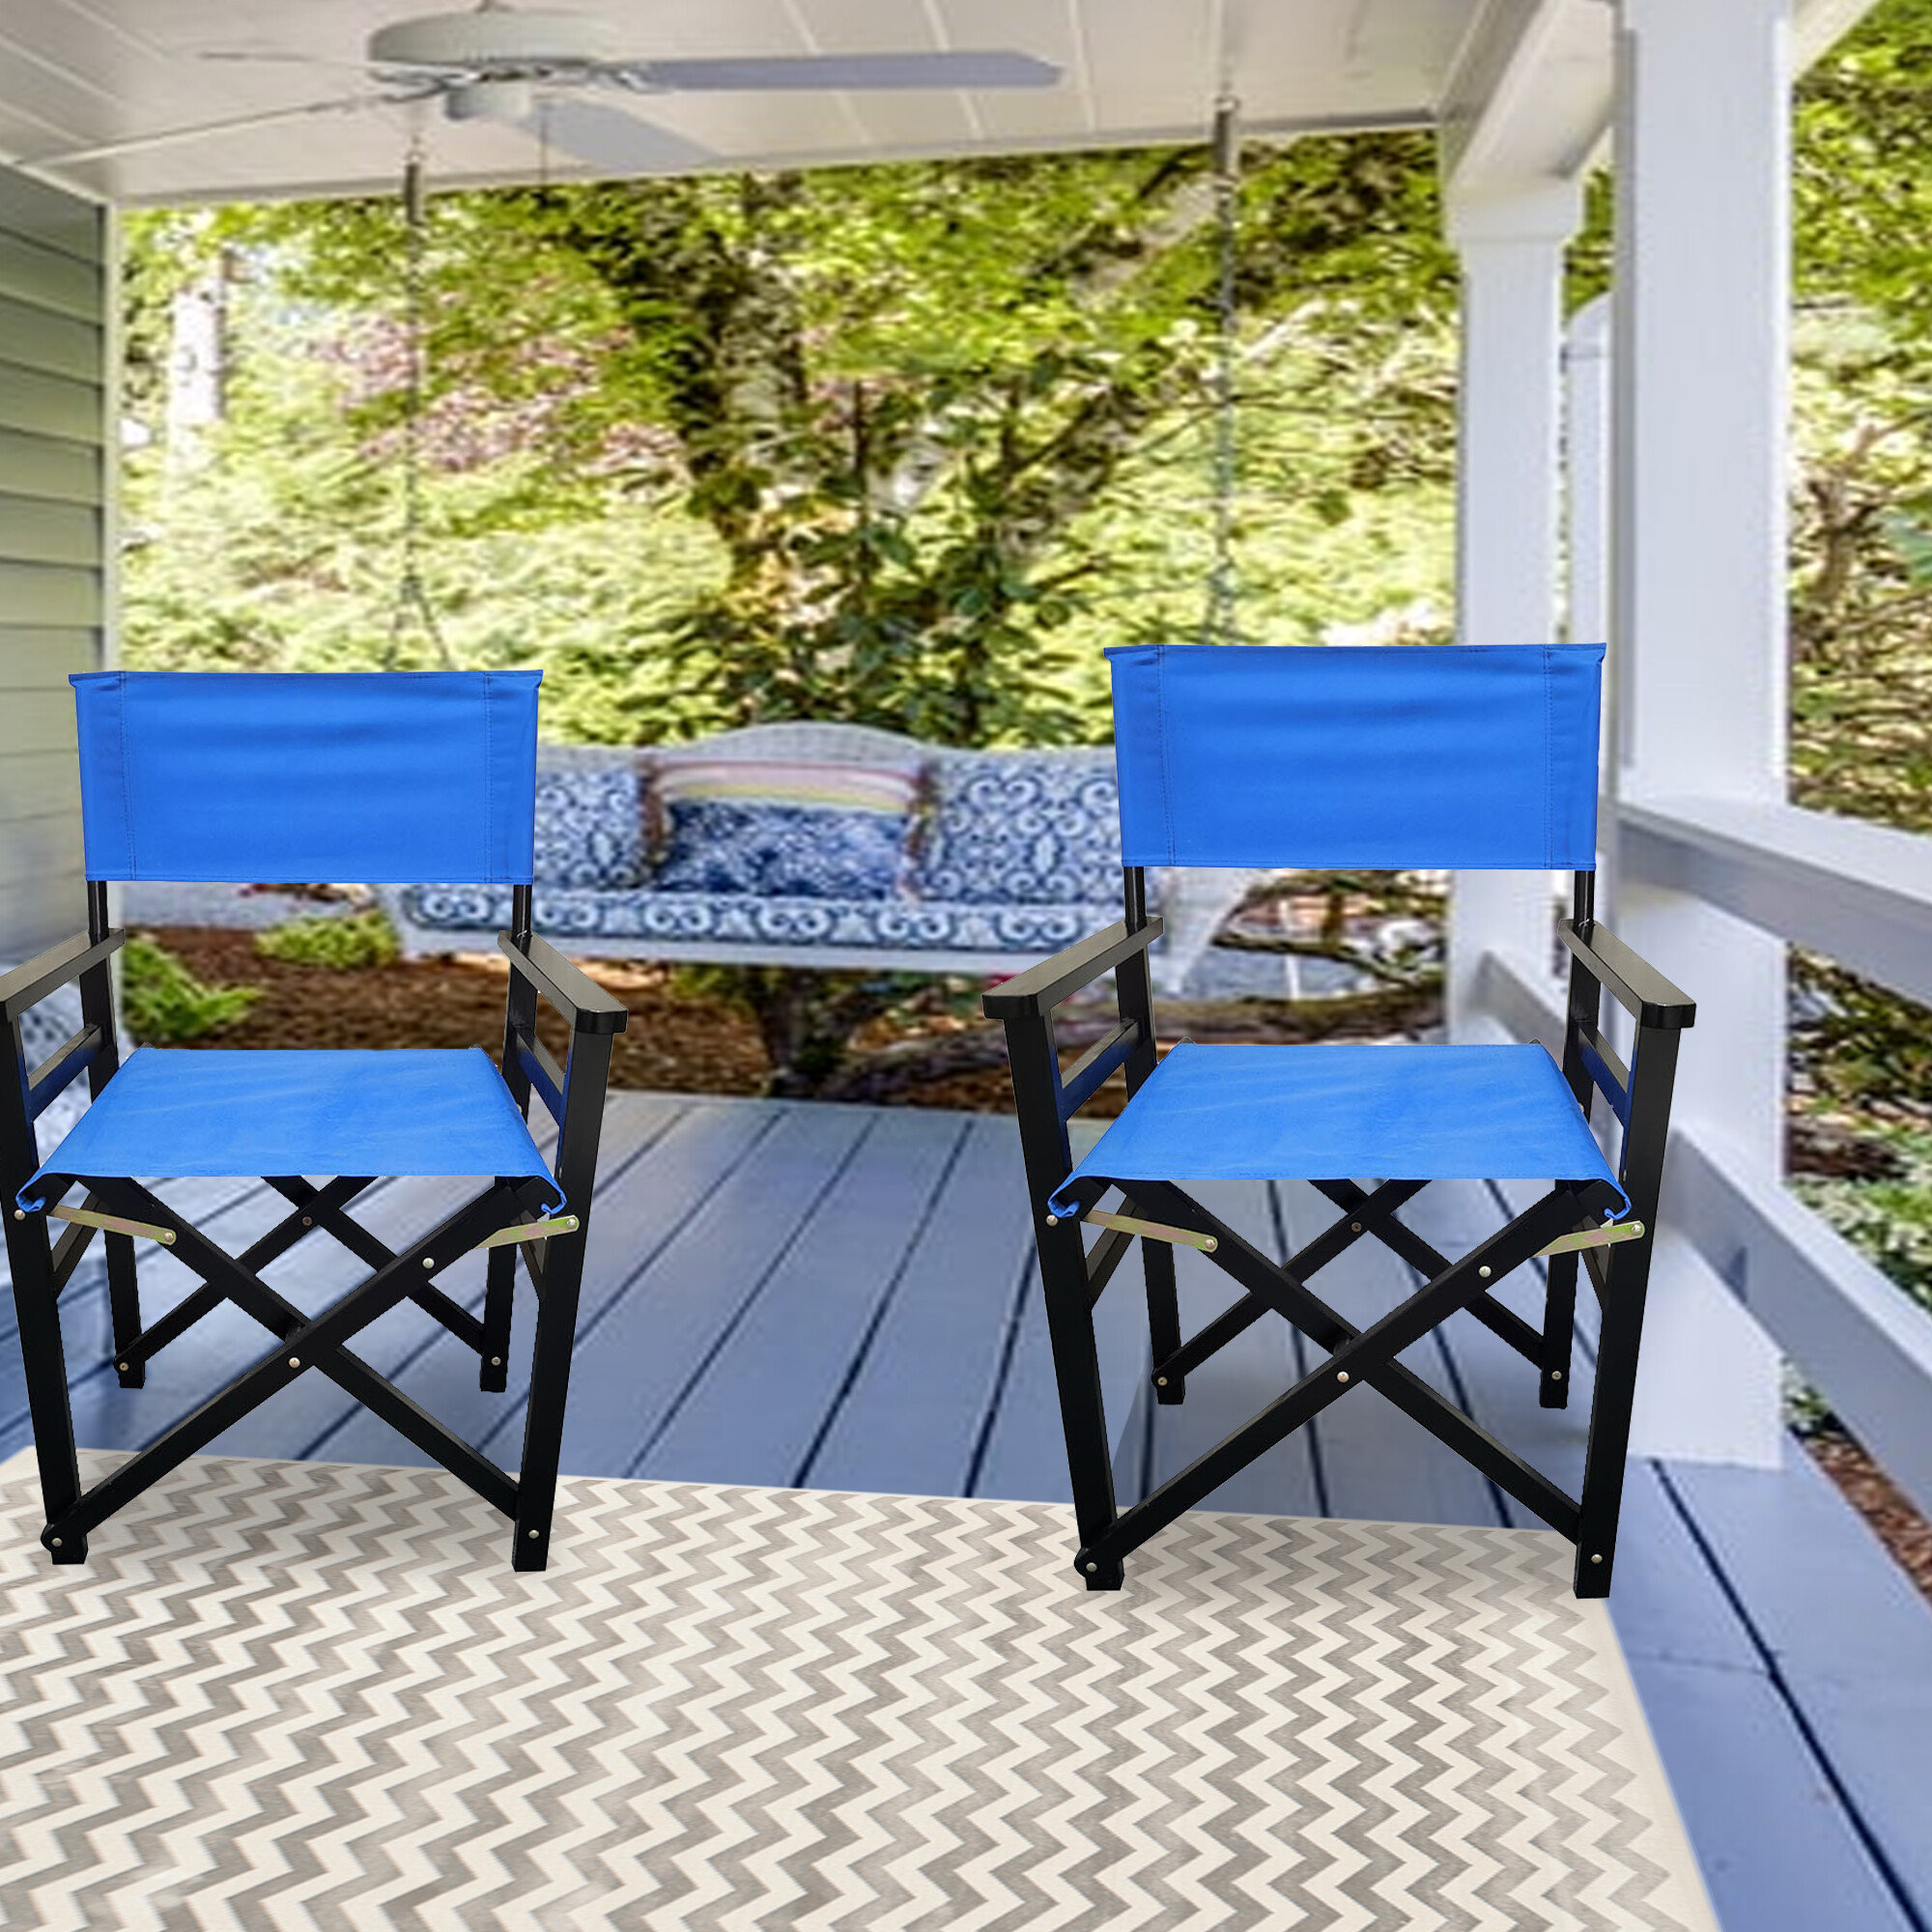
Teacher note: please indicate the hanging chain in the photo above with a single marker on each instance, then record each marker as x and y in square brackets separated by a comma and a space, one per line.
[412, 598]
[1218, 624]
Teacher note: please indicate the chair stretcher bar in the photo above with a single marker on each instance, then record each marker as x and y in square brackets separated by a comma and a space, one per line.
[113, 1224]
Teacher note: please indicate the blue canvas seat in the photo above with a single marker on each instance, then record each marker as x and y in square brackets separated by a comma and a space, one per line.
[404, 1111]
[385, 777]
[1338, 1113]
[1395, 758]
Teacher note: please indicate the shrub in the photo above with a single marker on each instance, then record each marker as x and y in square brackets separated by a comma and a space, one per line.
[1888, 1221]
[164, 1003]
[335, 945]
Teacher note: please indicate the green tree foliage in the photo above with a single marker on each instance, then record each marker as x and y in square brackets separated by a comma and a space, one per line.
[1862, 609]
[901, 445]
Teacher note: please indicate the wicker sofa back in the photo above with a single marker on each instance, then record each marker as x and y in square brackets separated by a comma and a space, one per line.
[1012, 855]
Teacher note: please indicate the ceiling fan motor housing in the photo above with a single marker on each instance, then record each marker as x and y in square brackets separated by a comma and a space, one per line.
[494, 42]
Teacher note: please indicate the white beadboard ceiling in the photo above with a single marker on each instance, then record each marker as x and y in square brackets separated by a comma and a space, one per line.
[77, 74]
[80, 74]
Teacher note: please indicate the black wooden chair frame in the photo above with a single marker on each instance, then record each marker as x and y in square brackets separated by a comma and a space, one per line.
[574, 1096]
[1073, 1276]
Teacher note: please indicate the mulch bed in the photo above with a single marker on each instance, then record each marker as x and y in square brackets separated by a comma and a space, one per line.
[683, 1044]
[673, 1044]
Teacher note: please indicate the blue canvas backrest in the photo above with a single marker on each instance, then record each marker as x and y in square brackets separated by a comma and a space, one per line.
[366, 777]
[1335, 758]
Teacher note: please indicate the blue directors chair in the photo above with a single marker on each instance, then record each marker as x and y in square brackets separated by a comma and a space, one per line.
[1344, 759]
[385, 777]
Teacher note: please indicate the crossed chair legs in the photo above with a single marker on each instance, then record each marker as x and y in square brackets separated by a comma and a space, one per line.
[1072, 1281]
[494, 1218]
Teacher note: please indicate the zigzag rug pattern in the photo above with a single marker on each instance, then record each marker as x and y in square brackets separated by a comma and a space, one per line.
[314, 1697]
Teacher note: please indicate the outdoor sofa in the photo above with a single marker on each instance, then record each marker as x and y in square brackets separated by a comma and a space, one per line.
[999, 859]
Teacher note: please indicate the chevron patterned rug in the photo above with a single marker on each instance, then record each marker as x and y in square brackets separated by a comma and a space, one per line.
[297, 1695]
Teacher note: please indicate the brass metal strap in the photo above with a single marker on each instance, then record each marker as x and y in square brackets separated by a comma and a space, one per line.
[531, 1231]
[115, 1224]
[1595, 1238]
[1153, 1231]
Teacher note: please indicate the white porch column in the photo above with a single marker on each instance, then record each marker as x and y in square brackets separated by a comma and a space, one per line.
[1698, 615]
[1508, 553]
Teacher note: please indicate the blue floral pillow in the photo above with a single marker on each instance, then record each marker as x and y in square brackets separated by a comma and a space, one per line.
[1021, 828]
[781, 830]
[591, 828]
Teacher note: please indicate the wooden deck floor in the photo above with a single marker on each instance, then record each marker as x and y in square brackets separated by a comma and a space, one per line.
[844, 1297]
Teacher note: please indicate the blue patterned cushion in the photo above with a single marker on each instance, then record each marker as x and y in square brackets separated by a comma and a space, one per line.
[1022, 829]
[782, 851]
[590, 827]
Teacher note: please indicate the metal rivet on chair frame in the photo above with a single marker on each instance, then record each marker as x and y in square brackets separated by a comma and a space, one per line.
[496, 1361]
[1484, 1272]
[1556, 1374]
[1341, 1374]
[1597, 1558]
[53, 1541]
[294, 1361]
[429, 1262]
[533, 1536]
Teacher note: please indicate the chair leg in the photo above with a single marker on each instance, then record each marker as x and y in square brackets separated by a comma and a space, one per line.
[1559, 1323]
[1605, 1457]
[123, 1301]
[550, 1386]
[493, 1374]
[1163, 1318]
[1076, 1368]
[38, 1313]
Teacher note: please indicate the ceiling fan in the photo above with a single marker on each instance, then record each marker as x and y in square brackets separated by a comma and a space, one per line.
[537, 70]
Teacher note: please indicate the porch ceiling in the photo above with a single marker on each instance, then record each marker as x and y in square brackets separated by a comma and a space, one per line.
[1519, 88]
[80, 74]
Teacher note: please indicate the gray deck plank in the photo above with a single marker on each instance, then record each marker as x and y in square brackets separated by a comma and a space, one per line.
[917, 1406]
[1379, 1464]
[1025, 1454]
[1240, 1380]
[1861, 1677]
[1780, 1847]
[637, 1354]
[756, 1413]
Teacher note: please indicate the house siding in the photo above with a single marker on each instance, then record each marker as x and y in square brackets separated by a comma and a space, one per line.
[54, 290]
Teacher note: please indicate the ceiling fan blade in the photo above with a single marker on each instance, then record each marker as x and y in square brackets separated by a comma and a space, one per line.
[168, 137]
[608, 139]
[273, 57]
[783, 73]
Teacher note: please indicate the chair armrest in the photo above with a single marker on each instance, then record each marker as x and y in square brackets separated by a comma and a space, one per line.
[1040, 988]
[1639, 988]
[571, 990]
[58, 966]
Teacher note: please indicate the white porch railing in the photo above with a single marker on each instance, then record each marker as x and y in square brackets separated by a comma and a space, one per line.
[1861, 895]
